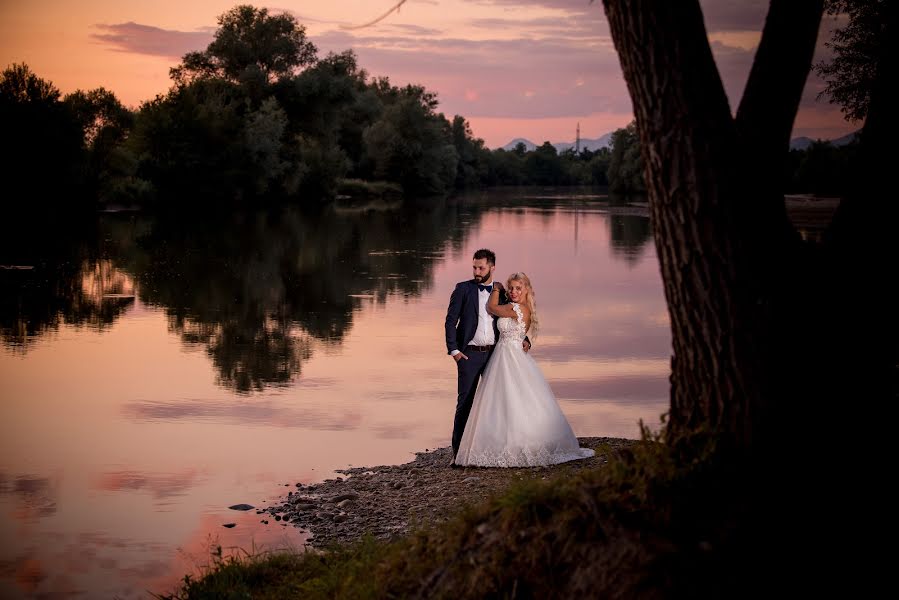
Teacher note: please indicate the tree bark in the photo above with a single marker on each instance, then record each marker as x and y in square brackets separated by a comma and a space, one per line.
[781, 347]
[725, 245]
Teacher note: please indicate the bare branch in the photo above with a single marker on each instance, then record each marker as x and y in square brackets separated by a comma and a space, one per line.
[396, 8]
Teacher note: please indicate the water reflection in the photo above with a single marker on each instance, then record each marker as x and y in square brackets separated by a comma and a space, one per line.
[210, 361]
[51, 277]
[32, 497]
[160, 485]
[258, 292]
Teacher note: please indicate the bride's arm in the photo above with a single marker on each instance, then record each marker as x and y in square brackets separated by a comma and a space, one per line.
[497, 309]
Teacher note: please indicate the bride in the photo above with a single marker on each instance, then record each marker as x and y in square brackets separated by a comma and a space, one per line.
[515, 420]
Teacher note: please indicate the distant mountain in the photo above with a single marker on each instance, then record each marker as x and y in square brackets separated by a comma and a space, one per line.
[528, 144]
[593, 145]
[604, 141]
[802, 143]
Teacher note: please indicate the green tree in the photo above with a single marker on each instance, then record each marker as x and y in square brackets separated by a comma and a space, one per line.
[105, 124]
[99, 114]
[851, 72]
[599, 166]
[264, 137]
[505, 168]
[471, 168]
[250, 44]
[410, 143]
[625, 163]
[192, 143]
[42, 146]
[543, 166]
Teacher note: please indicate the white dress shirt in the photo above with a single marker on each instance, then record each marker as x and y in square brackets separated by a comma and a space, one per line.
[483, 335]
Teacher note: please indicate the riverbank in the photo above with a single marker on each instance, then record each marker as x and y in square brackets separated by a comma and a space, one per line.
[390, 501]
[645, 520]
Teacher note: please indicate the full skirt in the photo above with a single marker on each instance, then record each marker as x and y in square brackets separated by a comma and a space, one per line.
[515, 420]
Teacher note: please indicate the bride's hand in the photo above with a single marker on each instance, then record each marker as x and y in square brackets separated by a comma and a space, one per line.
[498, 286]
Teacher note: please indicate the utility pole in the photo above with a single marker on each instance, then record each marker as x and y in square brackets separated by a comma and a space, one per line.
[577, 140]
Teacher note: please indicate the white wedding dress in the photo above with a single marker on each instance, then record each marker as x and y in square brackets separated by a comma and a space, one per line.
[515, 420]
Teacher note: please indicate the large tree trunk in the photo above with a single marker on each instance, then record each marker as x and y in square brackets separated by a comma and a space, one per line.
[781, 348]
[726, 248]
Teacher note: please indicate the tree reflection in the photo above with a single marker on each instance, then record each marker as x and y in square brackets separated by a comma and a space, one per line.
[260, 291]
[50, 277]
[257, 292]
[628, 236]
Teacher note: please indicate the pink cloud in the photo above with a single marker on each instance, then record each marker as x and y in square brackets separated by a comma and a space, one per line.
[154, 41]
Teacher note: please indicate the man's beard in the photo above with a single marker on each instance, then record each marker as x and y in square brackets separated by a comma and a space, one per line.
[483, 278]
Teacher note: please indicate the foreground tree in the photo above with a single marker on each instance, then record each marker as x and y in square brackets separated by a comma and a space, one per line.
[745, 294]
[777, 344]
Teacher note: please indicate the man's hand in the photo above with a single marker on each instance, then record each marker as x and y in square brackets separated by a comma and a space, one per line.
[526, 345]
[458, 357]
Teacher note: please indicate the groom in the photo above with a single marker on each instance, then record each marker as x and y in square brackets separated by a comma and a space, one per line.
[471, 334]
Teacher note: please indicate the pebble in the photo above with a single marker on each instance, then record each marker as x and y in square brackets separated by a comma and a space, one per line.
[389, 500]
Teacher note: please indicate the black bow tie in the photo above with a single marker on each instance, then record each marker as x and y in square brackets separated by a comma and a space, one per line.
[485, 288]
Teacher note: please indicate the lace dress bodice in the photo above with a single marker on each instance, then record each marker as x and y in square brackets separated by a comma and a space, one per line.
[512, 330]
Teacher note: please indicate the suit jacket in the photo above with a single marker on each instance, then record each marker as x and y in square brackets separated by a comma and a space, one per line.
[462, 315]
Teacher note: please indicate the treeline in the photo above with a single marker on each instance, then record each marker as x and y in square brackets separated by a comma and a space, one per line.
[821, 169]
[258, 116]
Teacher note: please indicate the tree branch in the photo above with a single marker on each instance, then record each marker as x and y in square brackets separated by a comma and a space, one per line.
[679, 101]
[396, 8]
[782, 63]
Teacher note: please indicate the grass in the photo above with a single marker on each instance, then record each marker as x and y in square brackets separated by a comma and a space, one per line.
[657, 521]
[359, 188]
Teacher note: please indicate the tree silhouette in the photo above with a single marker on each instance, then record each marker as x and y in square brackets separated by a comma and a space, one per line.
[248, 44]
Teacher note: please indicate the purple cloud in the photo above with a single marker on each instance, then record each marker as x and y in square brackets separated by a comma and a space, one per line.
[522, 78]
[734, 15]
[720, 15]
[639, 390]
[154, 41]
[264, 413]
[164, 485]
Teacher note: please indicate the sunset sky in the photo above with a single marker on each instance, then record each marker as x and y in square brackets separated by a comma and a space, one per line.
[513, 68]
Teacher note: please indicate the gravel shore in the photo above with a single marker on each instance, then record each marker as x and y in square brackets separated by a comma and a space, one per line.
[390, 501]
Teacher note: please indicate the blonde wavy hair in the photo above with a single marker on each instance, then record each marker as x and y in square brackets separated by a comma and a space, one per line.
[531, 302]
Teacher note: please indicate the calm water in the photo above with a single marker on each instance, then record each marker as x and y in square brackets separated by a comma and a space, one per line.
[154, 373]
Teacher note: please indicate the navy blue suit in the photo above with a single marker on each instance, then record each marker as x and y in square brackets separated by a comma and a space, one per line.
[461, 324]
